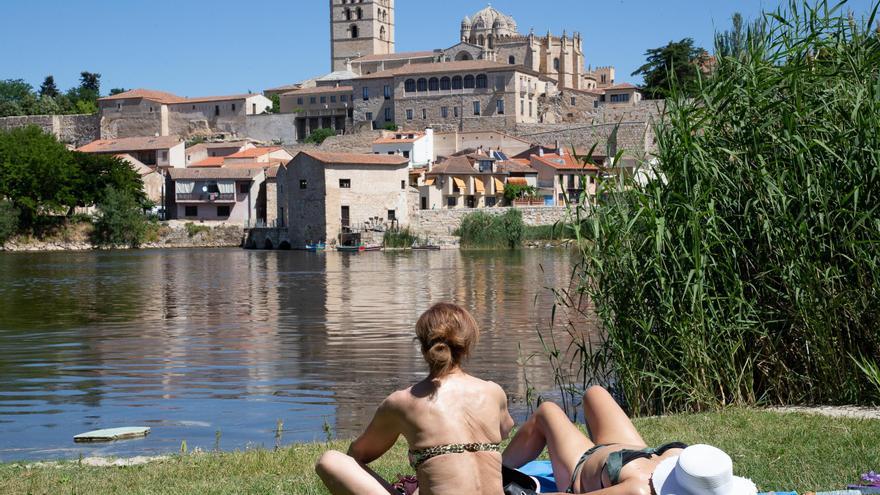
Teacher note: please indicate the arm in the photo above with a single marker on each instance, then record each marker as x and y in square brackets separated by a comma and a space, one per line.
[379, 437]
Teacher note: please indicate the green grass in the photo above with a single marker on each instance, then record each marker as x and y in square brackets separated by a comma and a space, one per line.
[555, 232]
[778, 451]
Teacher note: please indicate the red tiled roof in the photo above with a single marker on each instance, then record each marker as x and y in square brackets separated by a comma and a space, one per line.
[130, 144]
[208, 99]
[392, 139]
[356, 158]
[147, 94]
[255, 152]
[516, 167]
[456, 165]
[211, 161]
[320, 90]
[621, 86]
[565, 162]
[214, 173]
[393, 56]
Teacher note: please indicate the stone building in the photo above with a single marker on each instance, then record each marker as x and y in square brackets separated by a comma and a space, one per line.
[156, 152]
[475, 180]
[229, 195]
[464, 95]
[450, 143]
[333, 193]
[417, 147]
[319, 107]
[360, 28]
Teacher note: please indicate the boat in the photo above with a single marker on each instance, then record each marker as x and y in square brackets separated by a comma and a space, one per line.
[112, 434]
[316, 247]
[372, 248]
[351, 249]
[426, 248]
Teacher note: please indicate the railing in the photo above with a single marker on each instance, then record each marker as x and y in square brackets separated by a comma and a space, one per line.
[206, 197]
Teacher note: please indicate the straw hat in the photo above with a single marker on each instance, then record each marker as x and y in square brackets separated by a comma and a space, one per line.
[700, 470]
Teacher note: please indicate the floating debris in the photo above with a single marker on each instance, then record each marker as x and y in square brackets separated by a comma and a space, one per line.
[112, 434]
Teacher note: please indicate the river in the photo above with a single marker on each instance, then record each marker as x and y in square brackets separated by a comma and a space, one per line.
[192, 342]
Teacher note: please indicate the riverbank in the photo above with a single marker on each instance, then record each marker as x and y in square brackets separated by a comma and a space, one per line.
[792, 451]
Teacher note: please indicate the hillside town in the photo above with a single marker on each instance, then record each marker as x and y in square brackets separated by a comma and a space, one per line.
[498, 119]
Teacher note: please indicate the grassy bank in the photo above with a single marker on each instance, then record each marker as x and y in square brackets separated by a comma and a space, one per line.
[778, 451]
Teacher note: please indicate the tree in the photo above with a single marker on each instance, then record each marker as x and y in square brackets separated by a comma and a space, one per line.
[319, 135]
[734, 42]
[276, 104]
[676, 65]
[116, 91]
[16, 97]
[48, 88]
[37, 173]
[513, 192]
[97, 174]
[121, 220]
[90, 81]
[8, 221]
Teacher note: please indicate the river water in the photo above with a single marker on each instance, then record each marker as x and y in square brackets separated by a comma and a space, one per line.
[192, 342]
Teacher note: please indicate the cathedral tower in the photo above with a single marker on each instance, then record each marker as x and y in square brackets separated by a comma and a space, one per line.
[359, 28]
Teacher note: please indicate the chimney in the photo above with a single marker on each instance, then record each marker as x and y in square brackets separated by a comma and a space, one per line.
[559, 149]
[540, 151]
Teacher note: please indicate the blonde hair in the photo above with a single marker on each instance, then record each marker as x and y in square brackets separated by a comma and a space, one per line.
[447, 333]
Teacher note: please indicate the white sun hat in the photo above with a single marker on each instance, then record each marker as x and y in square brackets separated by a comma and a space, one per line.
[700, 470]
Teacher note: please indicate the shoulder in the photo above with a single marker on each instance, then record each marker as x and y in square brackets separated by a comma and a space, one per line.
[396, 402]
[492, 389]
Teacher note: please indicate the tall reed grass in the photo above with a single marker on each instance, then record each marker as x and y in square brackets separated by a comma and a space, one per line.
[748, 270]
[481, 230]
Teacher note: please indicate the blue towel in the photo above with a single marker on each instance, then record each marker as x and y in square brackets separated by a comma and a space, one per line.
[543, 472]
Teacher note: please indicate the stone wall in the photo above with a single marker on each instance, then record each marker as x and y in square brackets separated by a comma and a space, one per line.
[634, 138]
[75, 130]
[439, 224]
[272, 128]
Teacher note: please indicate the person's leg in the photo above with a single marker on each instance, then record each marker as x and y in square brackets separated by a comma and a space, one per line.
[549, 427]
[607, 422]
[344, 476]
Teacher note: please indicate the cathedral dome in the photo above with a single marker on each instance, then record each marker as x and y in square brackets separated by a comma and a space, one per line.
[466, 22]
[489, 16]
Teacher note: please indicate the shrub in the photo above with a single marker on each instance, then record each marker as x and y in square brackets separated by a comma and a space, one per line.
[120, 221]
[8, 221]
[399, 238]
[751, 271]
[318, 136]
[390, 126]
[513, 227]
[193, 230]
[483, 230]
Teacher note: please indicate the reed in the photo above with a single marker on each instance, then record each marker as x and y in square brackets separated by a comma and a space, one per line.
[399, 238]
[481, 230]
[747, 270]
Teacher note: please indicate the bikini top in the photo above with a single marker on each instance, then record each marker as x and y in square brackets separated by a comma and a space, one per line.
[615, 461]
[418, 457]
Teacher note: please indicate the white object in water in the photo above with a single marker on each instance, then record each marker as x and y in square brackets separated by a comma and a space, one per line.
[112, 434]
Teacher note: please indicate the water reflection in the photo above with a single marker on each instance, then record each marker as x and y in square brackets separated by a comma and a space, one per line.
[192, 342]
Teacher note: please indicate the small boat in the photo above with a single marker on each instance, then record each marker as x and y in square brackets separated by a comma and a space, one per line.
[351, 249]
[112, 434]
[316, 247]
[426, 248]
[372, 248]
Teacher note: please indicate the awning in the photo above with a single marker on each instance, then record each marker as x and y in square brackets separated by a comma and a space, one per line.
[429, 181]
[518, 181]
[460, 183]
[499, 186]
[478, 184]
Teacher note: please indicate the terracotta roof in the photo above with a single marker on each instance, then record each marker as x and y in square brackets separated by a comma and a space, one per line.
[272, 173]
[356, 158]
[253, 164]
[393, 56]
[516, 167]
[287, 87]
[208, 99]
[392, 139]
[214, 173]
[221, 145]
[255, 152]
[621, 86]
[320, 90]
[147, 94]
[441, 67]
[457, 165]
[564, 162]
[130, 144]
[137, 165]
[211, 161]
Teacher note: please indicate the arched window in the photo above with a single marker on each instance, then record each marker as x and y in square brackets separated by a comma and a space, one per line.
[409, 86]
[433, 84]
[382, 33]
[456, 82]
[468, 82]
[354, 31]
[555, 64]
[360, 13]
[482, 40]
[422, 84]
[347, 14]
[511, 60]
[482, 81]
[491, 42]
[463, 56]
[444, 83]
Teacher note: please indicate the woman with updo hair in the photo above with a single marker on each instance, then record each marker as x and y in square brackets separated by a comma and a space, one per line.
[452, 421]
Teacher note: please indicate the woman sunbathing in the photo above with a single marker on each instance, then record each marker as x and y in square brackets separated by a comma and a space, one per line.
[619, 462]
[453, 422]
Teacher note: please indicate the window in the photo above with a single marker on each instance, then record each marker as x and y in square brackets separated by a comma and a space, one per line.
[233, 107]
[388, 115]
[360, 13]
[409, 86]
[366, 93]
[476, 108]
[456, 82]
[313, 100]
[424, 114]
[486, 166]
[406, 154]
[244, 188]
[444, 112]
[455, 112]
[482, 81]
[347, 14]
[522, 107]
[556, 64]
[445, 83]
[299, 101]
[223, 211]
[303, 184]
[530, 109]
[119, 106]
[392, 215]
[323, 99]
[619, 98]
[333, 99]
[451, 201]
[253, 108]
[511, 60]
[573, 101]
[216, 110]
[191, 211]
[403, 185]
[369, 116]
[409, 114]
[468, 82]
[499, 83]
[163, 156]
[422, 85]
[344, 98]
[499, 107]
[388, 92]
[491, 201]
[354, 31]
[433, 84]
[344, 183]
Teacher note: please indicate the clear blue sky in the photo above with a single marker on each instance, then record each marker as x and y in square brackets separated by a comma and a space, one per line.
[210, 47]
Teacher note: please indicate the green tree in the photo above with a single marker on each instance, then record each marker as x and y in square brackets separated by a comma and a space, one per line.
[16, 97]
[517, 191]
[48, 88]
[676, 65]
[734, 42]
[37, 173]
[513, 227]
[276, 104]
[97, 174]
[121, 220]
[8, 221]
[91, 82]
[318, 136]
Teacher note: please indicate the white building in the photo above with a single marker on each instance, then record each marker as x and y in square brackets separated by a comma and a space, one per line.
[417, 147]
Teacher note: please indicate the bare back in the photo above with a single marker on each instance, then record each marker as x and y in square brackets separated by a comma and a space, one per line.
[462, 410]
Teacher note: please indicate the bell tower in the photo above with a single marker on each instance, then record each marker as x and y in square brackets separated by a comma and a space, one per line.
[359, 28]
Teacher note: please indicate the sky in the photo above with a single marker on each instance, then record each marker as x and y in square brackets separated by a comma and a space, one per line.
[215, 47]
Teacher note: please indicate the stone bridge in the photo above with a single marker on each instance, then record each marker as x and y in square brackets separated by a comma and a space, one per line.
[267, 238]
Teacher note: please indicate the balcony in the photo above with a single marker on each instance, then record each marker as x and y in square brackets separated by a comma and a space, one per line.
[205, 197]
